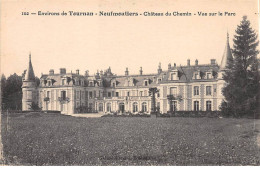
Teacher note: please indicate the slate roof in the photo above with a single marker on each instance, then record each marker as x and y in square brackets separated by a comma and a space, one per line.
[185, 74]
[29, 75]
[227, 55]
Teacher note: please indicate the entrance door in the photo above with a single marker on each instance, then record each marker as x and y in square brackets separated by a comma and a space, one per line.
[121, 107]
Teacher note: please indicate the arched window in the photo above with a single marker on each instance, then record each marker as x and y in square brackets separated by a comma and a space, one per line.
[144, 107]
[135, 107]
[108, 107]
[121, 107]
[208, 105]
[100, 107]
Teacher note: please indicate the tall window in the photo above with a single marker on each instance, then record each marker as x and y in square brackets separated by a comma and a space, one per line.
[174, 105]
[49, 83]
[117, 94]
[63, 81]
[196, 90]
[94, 94]
[158, 106]
[196, 105]
[108, 107]
[109, 94]
[135, 107]
[90, 107]
[48, 94]
[208, 105]
[121, 107]
[86, 94]
[141, 93]
[173, 91]
[90, 95]
[100, 107]
[63, 95]
[78, 94]
[128, 94]
[144, 107]
[208, 90]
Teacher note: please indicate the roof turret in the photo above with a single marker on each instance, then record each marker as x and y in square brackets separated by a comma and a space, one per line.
[29, 76]
[226, 56]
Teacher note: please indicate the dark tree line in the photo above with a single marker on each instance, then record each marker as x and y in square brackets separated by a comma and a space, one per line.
[242, 76]
[11, 91]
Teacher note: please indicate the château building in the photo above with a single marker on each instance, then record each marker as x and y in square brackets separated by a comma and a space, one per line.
[194, 87]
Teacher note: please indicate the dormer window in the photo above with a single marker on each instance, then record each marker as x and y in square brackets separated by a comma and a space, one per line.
[196, 75]
[82, 83]
[63, 81]
[49, 83]
[209, 75]
[174, 76]
[91, 83]
[146, 83]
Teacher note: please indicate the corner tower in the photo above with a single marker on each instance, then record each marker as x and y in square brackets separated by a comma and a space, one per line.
[226, 58]
[227, 55]
[29, 88]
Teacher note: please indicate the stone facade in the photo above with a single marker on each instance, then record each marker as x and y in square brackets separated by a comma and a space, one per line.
[194, 87]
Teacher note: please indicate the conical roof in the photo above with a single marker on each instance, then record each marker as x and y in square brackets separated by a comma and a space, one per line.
[29, 73]
[226, 56]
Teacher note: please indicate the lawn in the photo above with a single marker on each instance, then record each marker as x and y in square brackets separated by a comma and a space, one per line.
[52, 139]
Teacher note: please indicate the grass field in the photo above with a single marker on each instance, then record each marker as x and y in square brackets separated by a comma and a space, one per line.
[49, 139]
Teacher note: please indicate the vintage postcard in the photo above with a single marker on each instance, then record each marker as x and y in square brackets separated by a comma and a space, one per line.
[129, 83]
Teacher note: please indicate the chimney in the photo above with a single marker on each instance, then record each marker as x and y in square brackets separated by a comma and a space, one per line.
[126, 71]
[159, 68]
[51, 72]
[196, 62]
[62, 71]
[86, 73]
[174, 65]
[169, 66]
[77, 71]
[188, 62]
[141, 71]
[212, 61]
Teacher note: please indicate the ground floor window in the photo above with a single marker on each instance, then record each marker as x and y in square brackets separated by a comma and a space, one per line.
[100, 107]
[208, 105]
[108, 107]
[174, 105]
[144, 107]
[158, 106]
[135, 107]
[196, 105]
[90, 107]
[121, 107]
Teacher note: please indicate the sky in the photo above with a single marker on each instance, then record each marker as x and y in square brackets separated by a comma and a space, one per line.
[97, 42]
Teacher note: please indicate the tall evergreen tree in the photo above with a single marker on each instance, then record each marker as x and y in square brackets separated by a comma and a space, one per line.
[241, 75]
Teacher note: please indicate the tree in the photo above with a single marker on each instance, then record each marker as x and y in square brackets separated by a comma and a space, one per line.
[12, 92]
[241, 75]
[171, 98]
[152, 92]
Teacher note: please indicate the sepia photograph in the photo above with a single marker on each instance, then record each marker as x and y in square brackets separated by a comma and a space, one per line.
[129, 83]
